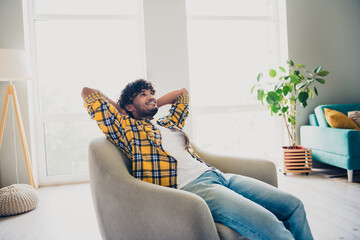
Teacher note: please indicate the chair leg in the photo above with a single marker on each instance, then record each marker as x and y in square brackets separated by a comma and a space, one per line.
[350, 175]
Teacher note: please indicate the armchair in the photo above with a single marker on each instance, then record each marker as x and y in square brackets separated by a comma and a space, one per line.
[333, 146]
[127, 208]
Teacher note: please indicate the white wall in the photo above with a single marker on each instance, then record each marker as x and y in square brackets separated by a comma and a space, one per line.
[327, 33]
[166, 47]
[12, 36]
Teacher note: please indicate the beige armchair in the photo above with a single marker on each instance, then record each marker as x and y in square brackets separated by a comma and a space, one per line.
[127, 208]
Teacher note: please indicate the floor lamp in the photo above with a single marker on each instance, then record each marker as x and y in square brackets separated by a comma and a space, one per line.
[14, 66]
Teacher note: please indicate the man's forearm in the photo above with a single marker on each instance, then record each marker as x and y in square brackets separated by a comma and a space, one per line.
[170, 97]
[87, 91]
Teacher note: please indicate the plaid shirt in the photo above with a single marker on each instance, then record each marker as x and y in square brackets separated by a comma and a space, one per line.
[140, 140]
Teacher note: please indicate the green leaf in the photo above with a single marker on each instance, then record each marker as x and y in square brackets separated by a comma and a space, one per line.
[299, 66]
[294, 79]
[299, 86]
[260, 95]
[310, 80]
[323, 73]
[290, 62]
[272, 73]
[260, 75]
[311, 93]
[290, 86]
[280, 85]
[252, 89]
[269, 100]
[303, 96]
[310, 74]
[279, 91]
[286, 90]
[320, 80]
[282, 69]
[316, 92]
[292, 120]
[318, 69]
[284, 109]
[275, 109]
[272, 98]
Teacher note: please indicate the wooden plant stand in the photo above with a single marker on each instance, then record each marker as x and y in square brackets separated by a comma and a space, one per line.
[297, 160]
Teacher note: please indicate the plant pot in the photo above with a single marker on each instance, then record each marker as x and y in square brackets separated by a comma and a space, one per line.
[297, 159]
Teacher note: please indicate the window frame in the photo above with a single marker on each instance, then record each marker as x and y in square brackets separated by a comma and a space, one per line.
[279, 20]
[38, 119]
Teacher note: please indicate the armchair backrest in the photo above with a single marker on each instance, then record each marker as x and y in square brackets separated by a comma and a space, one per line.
[344, 108]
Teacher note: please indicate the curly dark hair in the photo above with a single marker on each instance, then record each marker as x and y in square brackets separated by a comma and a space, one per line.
[131, 90]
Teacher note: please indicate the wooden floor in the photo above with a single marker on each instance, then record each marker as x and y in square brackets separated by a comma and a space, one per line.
[332, 206]
[66, 212]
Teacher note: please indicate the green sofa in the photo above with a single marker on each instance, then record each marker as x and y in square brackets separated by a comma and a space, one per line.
[333, 146]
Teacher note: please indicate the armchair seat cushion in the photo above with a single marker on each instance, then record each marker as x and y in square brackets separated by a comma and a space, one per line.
[226, 233]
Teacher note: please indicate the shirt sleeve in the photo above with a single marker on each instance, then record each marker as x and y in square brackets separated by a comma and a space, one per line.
[179, 111]
[109, 120]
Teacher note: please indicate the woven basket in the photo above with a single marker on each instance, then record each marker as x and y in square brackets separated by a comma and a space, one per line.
[17, 198]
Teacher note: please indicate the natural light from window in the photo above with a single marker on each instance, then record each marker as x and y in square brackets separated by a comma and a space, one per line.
[80, 43]
[230, 42]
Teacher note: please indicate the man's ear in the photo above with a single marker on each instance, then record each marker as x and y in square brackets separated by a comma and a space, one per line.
[129, 107]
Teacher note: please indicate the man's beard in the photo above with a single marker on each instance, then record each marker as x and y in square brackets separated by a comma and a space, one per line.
[147, 113]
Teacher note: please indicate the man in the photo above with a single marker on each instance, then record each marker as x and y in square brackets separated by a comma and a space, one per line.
[161, 154]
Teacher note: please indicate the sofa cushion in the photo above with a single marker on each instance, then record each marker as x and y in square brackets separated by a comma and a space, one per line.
[312, 120]
[344, 108]
[339, 120]
[355, 116]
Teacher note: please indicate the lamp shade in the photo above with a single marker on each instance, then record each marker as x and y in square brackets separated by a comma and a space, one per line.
[14, 65]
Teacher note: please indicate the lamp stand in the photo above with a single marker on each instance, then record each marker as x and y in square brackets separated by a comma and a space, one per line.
[10, 90]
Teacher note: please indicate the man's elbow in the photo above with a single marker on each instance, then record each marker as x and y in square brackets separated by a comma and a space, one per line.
[184, 91]
[85, 92]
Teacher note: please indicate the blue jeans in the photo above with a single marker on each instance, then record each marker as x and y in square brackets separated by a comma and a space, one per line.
[253, 208]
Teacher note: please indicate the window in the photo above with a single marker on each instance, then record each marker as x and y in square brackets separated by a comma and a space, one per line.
[230, 42]
[79, 43]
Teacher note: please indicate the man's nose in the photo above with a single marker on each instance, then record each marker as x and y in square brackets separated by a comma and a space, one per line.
[151, 97]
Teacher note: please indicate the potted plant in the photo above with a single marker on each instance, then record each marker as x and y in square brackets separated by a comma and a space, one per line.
[281, 91]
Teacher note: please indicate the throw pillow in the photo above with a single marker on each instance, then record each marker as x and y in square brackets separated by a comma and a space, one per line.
[339, 120]
[355, 116]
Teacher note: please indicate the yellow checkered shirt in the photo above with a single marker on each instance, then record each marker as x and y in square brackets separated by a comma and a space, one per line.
[140, 140]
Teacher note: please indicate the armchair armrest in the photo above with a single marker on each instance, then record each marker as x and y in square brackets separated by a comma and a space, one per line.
[340, 141]
[260, 169]
[167, 213]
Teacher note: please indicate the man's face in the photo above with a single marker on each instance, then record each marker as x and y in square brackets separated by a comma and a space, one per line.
[144, 105]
